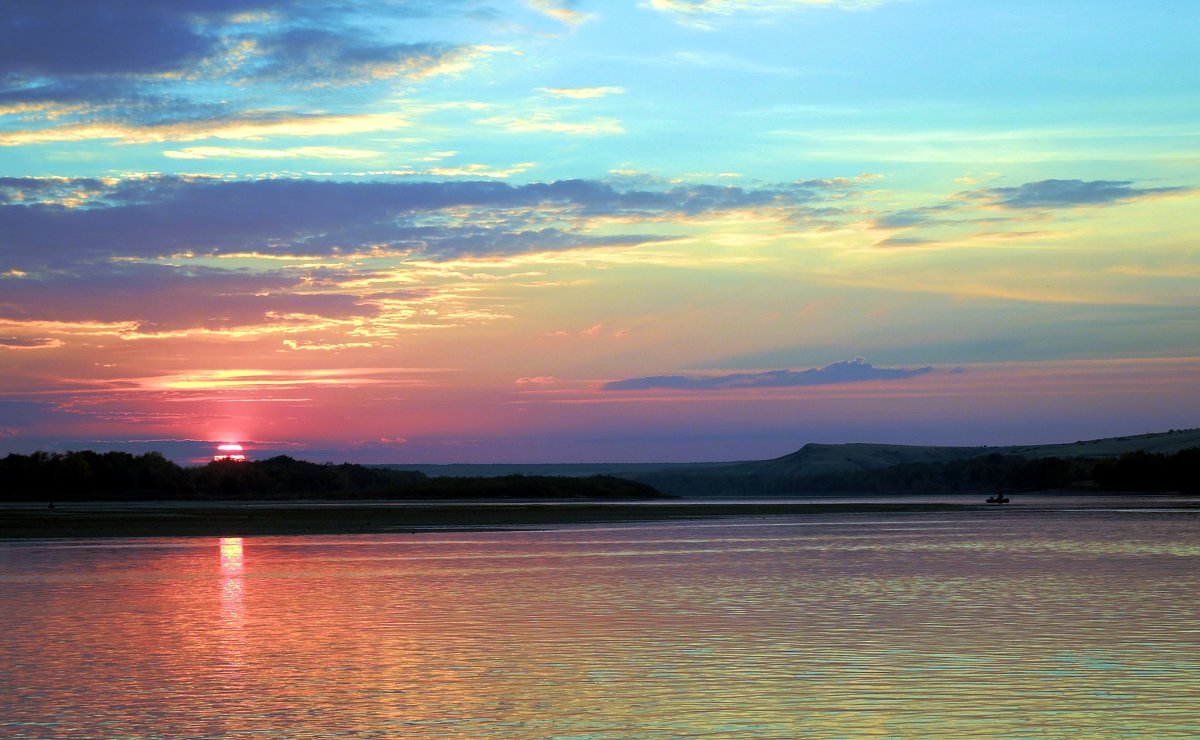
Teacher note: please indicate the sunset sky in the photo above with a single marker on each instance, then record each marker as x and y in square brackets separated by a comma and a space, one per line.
[548, 231]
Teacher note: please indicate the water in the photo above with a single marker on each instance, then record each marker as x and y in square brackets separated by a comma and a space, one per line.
[998, 624]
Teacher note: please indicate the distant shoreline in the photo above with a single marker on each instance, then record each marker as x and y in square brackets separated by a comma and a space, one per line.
[175, 518]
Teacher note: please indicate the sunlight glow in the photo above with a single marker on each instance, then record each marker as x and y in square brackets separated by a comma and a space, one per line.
[229, 453]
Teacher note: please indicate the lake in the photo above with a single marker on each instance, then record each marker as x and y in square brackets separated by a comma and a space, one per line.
[998, 623]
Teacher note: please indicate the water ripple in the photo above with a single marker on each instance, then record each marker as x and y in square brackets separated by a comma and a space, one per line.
[1019, 626]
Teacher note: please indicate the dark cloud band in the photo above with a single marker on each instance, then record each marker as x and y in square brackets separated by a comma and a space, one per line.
[161, 216]
[848, 371]
[1069, 193]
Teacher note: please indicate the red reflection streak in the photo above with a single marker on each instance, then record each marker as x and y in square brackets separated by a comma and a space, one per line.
[231, 582]
[231, 556]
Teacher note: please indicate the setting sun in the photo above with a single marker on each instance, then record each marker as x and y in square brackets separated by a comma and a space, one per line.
[229, 453]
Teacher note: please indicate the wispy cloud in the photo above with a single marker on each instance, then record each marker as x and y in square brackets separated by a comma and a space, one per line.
[306, 346]
[536, 380]
[40, 39]
[582, 93]
[480, 170]
[154, 299]
[1068, 193]
[730, 63]
[318, 56]
[312, 152]
[560, 10]
[27, 343]
[848, 371]
[244, 127]
[138, 72]
[318, 266]
[704, 14]
[997, 210]
[241, 379]
[161, 216]
[550, 123]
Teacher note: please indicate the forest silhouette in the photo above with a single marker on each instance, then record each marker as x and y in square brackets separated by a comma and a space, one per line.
[95, 476]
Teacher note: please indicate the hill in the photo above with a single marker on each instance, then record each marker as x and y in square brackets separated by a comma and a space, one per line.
[818, 459]
[1161, 443]
[884, 468]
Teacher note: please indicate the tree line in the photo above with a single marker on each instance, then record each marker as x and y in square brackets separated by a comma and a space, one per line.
[92, 476]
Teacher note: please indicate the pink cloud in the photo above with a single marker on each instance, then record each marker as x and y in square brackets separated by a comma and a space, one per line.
[537, 380]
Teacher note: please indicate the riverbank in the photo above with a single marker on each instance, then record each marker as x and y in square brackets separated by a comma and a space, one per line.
[175, 518]
[170, 519]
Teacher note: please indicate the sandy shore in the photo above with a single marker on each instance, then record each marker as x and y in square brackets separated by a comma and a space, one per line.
[276, 518]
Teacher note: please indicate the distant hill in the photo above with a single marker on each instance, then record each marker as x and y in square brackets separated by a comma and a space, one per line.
[881, 468]
[818, 459]
[814, 461]
[1162, 443]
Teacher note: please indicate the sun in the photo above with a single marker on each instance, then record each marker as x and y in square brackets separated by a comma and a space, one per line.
[229, 453]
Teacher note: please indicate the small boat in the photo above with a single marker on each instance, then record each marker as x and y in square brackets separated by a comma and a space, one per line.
[999, 498]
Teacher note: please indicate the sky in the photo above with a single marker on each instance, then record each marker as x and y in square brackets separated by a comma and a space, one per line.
[623, 231]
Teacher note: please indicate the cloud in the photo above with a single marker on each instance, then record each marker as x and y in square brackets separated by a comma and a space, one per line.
[302, 346]
[1068, 193]
[40, 39]
[140, 71]
[481, 170]
[318, 56]
[311, 152]
[62, 96]
[52, 190]
[155, 299]
[563, 12]
[730, 63]
[905, 241]
[995, 210]
[548, 123]
[916, 216]
[48, 39]
[703, 14]
[537, 380]
[27, 343]
[582, 93]
[848, 371]
[235, 379]
[250, 126]
[62, 224]
[314, 266]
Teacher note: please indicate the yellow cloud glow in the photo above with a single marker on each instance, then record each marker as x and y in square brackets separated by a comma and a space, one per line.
[481, 170]
[315, 152]
[245, 128]
[581, 93]
[547, 123]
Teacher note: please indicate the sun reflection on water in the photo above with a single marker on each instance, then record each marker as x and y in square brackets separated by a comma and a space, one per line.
[231, 556]
[232, 585]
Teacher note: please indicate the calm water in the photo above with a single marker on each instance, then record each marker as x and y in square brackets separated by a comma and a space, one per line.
[1002, 623]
